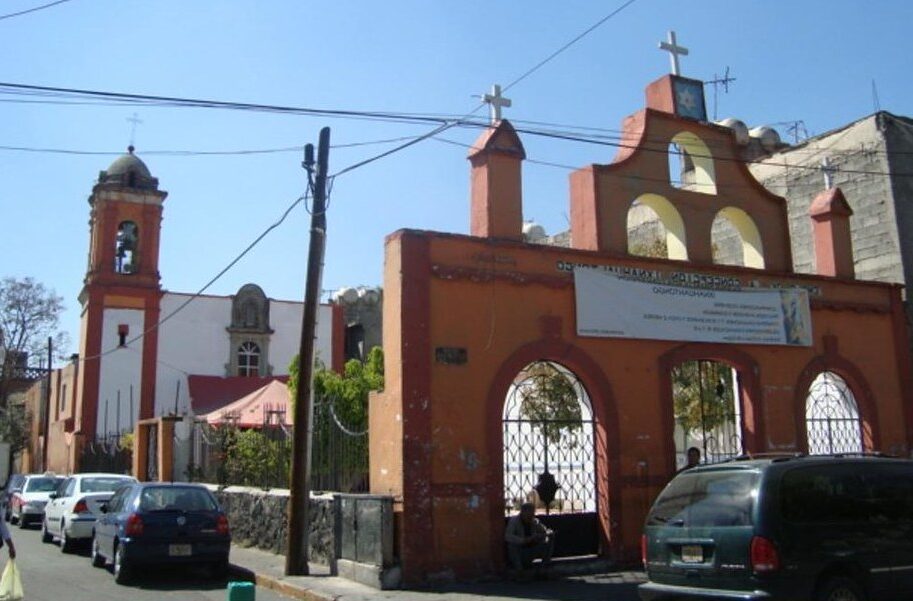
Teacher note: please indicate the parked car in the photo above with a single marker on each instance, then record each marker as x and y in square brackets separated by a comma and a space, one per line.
[27, 504]
[161, 523]
[827, 528]
[13, 486]
[73, 508]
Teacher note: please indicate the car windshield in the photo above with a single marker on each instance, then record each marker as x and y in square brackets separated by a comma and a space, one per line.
[102, 484]
[698, 499]
[176, 498]
[42, 484]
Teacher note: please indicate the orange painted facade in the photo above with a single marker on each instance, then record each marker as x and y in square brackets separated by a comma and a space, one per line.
[436, 439]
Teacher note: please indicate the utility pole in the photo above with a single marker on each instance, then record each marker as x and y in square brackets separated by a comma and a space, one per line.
[46, 426]
[296, 561]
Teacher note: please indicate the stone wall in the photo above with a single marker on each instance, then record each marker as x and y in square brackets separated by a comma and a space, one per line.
[258, 518]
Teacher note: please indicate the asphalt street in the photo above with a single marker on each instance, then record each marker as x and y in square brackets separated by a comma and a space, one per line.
[49, 575]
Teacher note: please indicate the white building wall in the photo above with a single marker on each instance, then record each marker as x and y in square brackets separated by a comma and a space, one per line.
[119, 369]
[194, 341]
[285, 320]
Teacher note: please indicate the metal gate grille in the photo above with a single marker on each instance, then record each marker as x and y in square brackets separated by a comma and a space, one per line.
[832, 416]
[549, 454]
[707, 415]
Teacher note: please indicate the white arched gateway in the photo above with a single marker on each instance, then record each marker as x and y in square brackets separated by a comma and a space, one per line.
[832, 416]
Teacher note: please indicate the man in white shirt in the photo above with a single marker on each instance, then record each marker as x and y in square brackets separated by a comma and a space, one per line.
[528, 539]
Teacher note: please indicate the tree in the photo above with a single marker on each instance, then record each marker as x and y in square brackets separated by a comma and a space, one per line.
[347, 392]
[701, 395]
[549, 399]
[29, 315]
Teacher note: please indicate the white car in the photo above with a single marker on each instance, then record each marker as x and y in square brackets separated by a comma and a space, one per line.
[27, 504]
[70, 514]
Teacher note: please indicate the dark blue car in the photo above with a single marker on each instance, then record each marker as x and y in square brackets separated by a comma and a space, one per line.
[160, 523]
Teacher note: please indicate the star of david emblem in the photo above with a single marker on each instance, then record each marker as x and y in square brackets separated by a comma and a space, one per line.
[686, 100]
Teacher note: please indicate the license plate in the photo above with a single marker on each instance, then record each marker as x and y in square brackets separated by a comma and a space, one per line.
[692, 554]
[180, 550]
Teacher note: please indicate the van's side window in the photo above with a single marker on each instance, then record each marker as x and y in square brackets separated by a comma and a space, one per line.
[834, 495]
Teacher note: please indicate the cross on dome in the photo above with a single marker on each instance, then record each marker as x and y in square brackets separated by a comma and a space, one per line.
[495, 101]
[674, 50]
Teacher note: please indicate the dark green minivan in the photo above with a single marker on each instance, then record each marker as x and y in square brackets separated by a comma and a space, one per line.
[810, 528]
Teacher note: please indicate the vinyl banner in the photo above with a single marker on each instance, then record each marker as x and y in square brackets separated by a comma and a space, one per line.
[616, 307]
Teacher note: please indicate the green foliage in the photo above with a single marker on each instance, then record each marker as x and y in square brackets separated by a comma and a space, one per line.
[701, 395]
[347, 392]
[252, 458]
[549, 399]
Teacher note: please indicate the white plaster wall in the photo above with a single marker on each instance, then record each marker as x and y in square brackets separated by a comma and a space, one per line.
[120, 369]
[285, 320]
[194, 341]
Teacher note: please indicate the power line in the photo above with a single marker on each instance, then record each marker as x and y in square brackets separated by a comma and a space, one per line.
[32, 10]
[582, 35]
[206, 286]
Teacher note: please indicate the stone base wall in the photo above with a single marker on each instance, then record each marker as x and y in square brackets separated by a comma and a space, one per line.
[259, 519]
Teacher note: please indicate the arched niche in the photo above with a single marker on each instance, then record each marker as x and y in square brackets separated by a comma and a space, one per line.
[749, 249]
[694, 162]
[674, 243]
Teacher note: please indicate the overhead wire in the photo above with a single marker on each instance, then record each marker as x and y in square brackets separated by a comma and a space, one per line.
[192, 297]
[31, 10]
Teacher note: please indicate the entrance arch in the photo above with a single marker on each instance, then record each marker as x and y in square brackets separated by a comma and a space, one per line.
[832, 416]
[550, 454]
[745, 391]
[605, 437]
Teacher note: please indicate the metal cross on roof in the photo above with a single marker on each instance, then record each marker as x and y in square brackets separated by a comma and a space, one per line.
[134, 120]
[674, 51]
[495, 101]
[829, 171]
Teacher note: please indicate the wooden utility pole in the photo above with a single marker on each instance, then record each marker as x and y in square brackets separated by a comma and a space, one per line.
[46, 426]
[296, 561]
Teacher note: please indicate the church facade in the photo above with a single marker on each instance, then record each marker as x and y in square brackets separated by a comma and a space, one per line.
[145, 352]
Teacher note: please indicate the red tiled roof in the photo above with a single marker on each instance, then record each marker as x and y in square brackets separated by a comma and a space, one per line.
[209, 393]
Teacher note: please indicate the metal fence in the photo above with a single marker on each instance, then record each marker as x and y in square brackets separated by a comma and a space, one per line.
[227, 454]
[112, 453]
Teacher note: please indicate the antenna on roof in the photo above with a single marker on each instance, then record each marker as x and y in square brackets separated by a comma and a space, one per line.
[718, 81]
[875, 101]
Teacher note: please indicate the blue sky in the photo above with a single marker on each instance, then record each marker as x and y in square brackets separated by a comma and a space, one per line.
[812, 61]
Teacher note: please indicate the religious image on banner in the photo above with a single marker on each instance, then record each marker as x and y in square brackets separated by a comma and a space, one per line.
[613, 306]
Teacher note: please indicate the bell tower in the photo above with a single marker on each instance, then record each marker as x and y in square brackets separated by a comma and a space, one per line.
[120, 298]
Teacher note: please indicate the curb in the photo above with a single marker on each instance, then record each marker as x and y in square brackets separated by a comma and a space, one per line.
[279, 585]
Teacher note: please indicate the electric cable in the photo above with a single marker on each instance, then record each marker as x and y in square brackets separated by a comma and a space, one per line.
[31, 10]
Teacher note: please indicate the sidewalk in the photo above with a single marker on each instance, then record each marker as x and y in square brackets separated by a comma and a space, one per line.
[266, 569]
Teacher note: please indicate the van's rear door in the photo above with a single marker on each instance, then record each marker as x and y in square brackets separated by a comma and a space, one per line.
[700, 528]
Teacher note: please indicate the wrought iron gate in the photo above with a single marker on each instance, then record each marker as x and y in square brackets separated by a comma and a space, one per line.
[832, 416]
[549, 455]
[707, 411]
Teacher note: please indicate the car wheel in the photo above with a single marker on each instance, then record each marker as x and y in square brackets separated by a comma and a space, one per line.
[98, 560]
[66, 543]
[46, 536]
[840, 589]
[121, 566]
